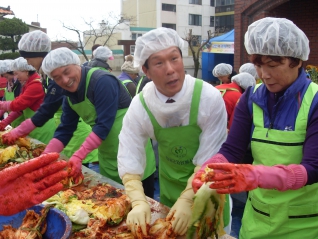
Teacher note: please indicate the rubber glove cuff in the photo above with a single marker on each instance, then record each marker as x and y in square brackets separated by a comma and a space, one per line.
[23, 129]
[54, 145]
[5, 105]
[12, 116]
[91, 142]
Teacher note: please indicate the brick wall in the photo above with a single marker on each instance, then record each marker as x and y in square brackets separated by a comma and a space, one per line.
[302, 12]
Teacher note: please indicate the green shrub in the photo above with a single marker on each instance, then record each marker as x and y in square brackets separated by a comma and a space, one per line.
[11, 55]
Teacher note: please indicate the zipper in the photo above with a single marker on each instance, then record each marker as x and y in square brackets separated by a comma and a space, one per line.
[271, 124]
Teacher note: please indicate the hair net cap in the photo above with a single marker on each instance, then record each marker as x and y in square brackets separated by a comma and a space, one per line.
[244, 80]
[35, 41]
[276, 37]
[128, 65]
[154, 41]
[222, 69]
[103, 53]
[249, 68]
[5, 66]
[21, 64]
[57, 58]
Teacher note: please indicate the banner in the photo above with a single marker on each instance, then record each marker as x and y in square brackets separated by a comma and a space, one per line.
[222, 47]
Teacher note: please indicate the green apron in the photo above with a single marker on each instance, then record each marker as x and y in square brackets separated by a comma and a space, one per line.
[44, 133]
[9, 96]
[273, 214]
[177, 146]
[107, 151]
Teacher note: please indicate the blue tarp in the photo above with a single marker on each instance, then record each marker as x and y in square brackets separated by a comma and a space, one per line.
[227, 37]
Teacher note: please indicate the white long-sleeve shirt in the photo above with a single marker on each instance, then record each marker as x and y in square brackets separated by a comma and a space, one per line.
[137, 127]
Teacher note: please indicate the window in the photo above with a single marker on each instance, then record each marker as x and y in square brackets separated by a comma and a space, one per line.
[132, 49]
[223, 2]
[224, 23]
[211, 21]
[196, 40]
[212, 3]
[134, 36]
[195, 20]
[169, 7]
[198, 2]
[169, 25]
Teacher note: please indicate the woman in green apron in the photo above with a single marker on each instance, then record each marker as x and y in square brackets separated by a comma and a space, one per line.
[280, 120]
[100, 100]
[28, 101]
[175, 109]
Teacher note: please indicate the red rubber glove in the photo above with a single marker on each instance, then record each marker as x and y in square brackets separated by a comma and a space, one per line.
[5, 105]
[11, 117]
[30, 183]
[21, 131]
[91, 142]
[197, 182]
[235, 178]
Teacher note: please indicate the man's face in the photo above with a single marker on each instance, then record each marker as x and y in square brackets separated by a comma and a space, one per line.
[166, 70]
[277, 76]
[68, 77]
[36, 62]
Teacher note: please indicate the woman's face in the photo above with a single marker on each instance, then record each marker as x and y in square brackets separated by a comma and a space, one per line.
[22, 76]
[8, 76]
[277, 76]
[68, 77]
[224, 79]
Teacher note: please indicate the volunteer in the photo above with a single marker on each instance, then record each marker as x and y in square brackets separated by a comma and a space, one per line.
[188, 131]
[250, 68]
[280, 119]
[101, 55]
[100, 100]
[34, 46]
[231, 92]
[223, 72]
[13, 88]
[28, 101]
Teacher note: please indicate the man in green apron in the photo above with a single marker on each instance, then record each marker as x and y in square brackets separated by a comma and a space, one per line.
[100, 100]
[279, 118]
[34, 46]
[176, 110]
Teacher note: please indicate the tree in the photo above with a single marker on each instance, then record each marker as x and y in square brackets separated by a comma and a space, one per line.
[104, 31]
[12, 31]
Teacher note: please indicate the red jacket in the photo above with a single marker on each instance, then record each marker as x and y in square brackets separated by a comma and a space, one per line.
[3, 85]
[231, 94]
[31, 96]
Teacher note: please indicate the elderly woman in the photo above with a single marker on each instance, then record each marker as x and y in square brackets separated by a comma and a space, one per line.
[223, 72]
[101, 55]
[280, 120]
[28, 101]
[101, 101]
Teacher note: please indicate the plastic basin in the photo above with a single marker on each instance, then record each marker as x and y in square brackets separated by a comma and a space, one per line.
[58, 224]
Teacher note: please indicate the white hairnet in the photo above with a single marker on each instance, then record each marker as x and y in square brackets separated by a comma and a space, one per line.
[222, 69]
[244, 80]
[276, 37]
[58, 58]
[103, 53]
[249, 68]
[5, 66]
[35, 41]
[21, 64]
[154, 41]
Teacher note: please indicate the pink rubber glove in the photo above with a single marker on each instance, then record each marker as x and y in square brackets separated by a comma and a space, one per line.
[5, 105]
[235, 178]
[54, 145]
[21, 131]
[11, 117]
[75, 163]
[29, 183]
[197, 182]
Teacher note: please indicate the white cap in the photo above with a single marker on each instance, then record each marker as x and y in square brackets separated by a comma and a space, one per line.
[5, 66]
[249, 68]
[36, 42]
[222, 69]
[276, 37]
[21, 64]
[244, 80]
[103, 53]
[154, 41]
[57, 58]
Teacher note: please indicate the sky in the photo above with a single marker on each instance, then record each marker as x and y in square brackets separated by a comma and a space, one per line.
[52, 14]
